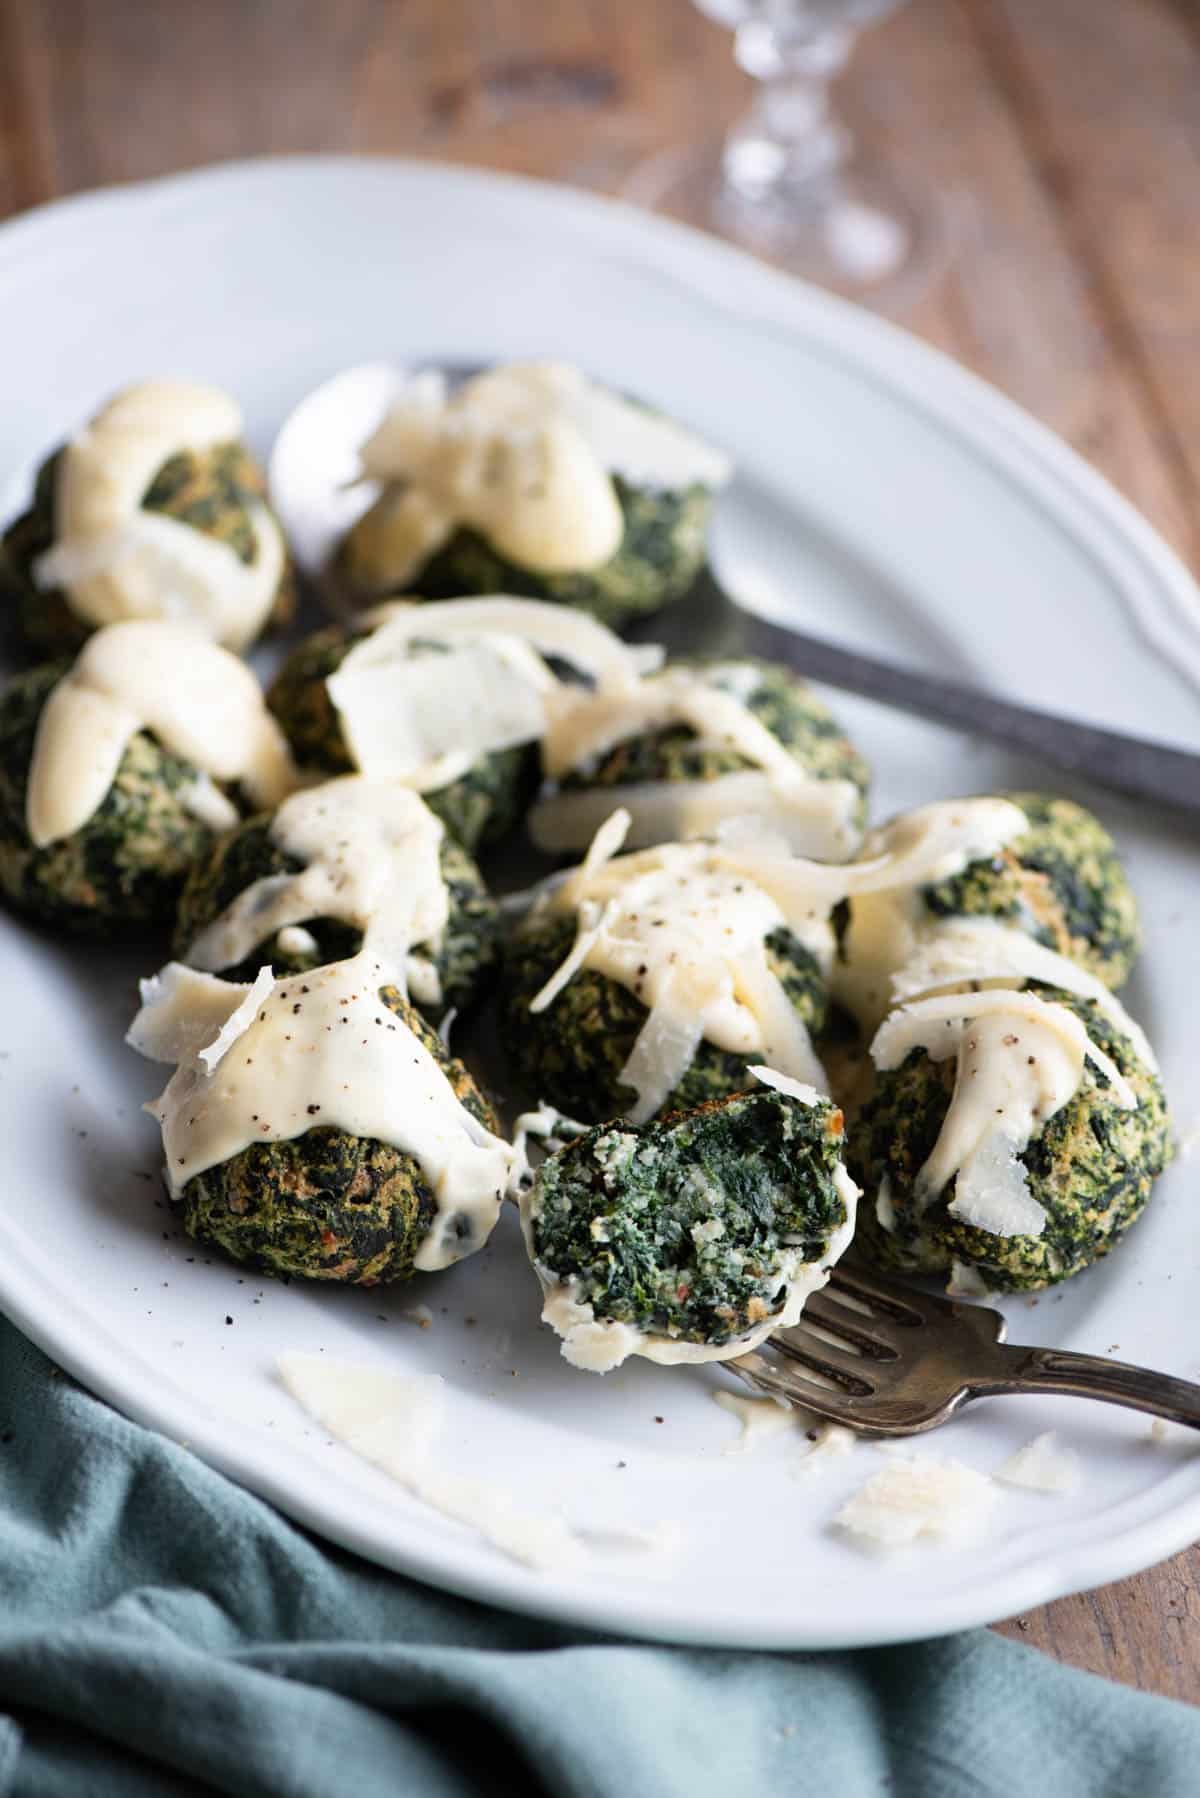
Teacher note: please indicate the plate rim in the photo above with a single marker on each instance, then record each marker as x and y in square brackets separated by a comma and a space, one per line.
[1144, 570]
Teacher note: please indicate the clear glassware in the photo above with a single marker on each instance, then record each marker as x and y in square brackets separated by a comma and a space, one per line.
[788, 181]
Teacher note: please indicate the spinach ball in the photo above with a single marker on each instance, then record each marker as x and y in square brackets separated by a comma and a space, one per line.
[463, 957]
[480, 807]
[532, 480]
[1090, 1168]
[124, 869]
[662, 551]
[1061, 881]
[677, 753]
[327, 1205]
[692, 1238]
[572, 1053]
[217, 490]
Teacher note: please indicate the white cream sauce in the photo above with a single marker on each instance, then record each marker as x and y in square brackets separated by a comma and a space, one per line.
[426, 719]
[370, 852]
[118, 561]
[985, 952]
[197, 699]
[815, 816]
[888, 918]
[684, 927]
[1020, 1060]
[320, 1049]
[524, 455]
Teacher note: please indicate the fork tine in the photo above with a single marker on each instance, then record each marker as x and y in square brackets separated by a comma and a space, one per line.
[905, 1304]
[870, 1336]
[901, 1303]
[764, 1376]
[836, 1365]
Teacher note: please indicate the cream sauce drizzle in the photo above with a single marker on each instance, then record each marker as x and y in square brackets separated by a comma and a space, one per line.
[323, 1049]
[987, 952]
[887, 915]
[117, 560]
[169, 679]
[371, 858]
[588, 726]
[1020, 1060]
[522, 454]
[684, 927]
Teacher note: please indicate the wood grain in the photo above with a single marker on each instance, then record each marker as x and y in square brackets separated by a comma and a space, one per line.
[1066, 137]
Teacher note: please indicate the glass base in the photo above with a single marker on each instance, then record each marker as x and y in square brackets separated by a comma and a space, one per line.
[857, 229]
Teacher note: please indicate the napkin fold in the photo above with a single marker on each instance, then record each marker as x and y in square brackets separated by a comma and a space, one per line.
[164, 1632]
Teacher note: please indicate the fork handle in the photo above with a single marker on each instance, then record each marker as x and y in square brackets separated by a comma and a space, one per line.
[1093, 1376]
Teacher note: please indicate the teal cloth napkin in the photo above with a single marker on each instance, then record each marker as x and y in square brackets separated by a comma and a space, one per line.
[164, 1632]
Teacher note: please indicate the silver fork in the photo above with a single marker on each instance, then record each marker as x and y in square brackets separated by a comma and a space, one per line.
[887, 1360]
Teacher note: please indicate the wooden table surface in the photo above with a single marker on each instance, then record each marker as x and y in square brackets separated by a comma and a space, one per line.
[1068, 131]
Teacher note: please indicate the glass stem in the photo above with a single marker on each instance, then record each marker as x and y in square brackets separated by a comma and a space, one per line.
[790, 143]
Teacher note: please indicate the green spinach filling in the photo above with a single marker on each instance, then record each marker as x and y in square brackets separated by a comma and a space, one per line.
[687, 1228]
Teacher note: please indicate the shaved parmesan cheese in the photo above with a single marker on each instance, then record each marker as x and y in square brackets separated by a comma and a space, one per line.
[817, 817]
[664, 1050]
[760, 1418]
[593, 921]
[181, 1011]
[589, 725]
[984, 951]
[783, 1083]
[568, 635]
[238, 1021]
[907, 1500]
[393, 1421]
[429, 719]
[888, 917]
[1041, 1466]
[991, 1191]
[833, 1443]
[683, 927]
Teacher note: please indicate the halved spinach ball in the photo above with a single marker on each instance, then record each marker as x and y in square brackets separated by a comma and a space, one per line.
[689, 1238]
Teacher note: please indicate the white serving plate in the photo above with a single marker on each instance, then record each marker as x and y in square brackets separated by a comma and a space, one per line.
[886, 497]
